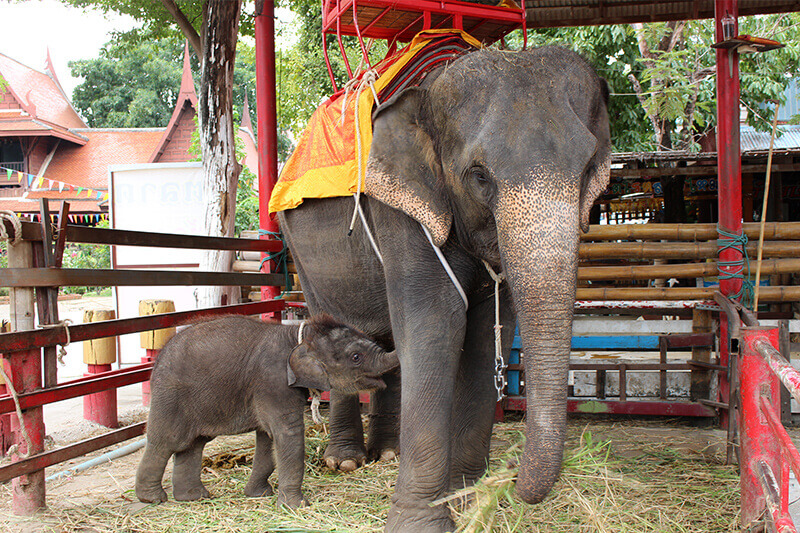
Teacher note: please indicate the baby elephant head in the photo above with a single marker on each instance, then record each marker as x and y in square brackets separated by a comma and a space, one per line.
[333, 355]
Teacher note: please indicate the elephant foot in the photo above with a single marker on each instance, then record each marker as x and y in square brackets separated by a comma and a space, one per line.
[419, 518]
[293, 500]
[386, 454]
[258, 490]
[155, 495]
[190, 494]
[383, 438]
[345, 458]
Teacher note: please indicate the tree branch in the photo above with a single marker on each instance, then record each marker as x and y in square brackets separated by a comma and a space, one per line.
[638, 28]
[186, 27]
[637, 88]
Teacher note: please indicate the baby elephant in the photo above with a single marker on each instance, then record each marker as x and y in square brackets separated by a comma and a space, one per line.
[238, 374]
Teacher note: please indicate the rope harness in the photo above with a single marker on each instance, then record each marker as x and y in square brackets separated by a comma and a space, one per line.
[499, 364]
[15, 222]
[368, 79]
[728, 240]
[279, 257]
[316, 395]
[62, 348]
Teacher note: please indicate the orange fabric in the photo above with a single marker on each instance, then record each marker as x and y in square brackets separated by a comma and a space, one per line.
[324, 164]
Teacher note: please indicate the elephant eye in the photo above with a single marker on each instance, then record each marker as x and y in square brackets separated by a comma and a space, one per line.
[357, 358]
[479, 175]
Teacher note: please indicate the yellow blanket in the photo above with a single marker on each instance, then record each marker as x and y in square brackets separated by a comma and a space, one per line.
[324, 164]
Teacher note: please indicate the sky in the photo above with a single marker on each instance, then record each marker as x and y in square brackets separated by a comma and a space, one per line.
[31, 27]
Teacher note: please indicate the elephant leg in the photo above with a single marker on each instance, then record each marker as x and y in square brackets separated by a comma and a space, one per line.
[291, 453]
[186, 484]
[345, 450]
[383, 434]
[263, 466]
[427, 403]
[150, 472]
[475, 394]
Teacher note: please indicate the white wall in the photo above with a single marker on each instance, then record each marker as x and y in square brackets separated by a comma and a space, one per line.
[162, 198]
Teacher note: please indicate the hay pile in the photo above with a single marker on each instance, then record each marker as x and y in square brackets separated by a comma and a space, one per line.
[615, 479]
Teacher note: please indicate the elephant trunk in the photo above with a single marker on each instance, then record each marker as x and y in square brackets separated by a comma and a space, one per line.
[538, 243]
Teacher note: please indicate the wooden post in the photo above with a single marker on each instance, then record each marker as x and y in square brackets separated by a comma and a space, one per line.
[152, 341]
[784, 346]
[99, 354]
[702, 322]
[24, 369]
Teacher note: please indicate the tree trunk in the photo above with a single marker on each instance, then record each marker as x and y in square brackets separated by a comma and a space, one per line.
[217, 139]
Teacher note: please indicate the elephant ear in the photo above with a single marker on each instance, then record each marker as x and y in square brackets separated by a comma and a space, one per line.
[598, 174]
[304, 370]
[401, 170]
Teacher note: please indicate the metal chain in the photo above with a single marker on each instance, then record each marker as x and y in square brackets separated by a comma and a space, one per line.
[499, 364]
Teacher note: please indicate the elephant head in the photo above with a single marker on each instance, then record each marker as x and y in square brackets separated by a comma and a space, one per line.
[333, 355]
[505, 152]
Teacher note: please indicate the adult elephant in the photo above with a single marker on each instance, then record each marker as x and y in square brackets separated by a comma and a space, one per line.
[499, 156]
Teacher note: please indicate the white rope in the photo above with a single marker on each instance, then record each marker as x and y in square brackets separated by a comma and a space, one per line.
[499, 364]
[316, 395]
[447, 268]
[367, 80]
[15, 223]
[369, 233]
[62, 350]
[24, 430]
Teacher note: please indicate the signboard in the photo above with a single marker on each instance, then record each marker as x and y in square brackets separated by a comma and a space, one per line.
[161, 198]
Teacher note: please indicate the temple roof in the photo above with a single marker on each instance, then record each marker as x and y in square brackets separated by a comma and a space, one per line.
[39, 95]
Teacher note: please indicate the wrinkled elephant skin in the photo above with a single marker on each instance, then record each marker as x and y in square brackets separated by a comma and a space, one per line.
[500, 155]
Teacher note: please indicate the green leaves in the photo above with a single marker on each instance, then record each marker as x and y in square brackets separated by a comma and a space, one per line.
[129, 85]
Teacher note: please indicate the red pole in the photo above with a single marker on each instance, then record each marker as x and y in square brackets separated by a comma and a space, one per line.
[729, 158]
[266, 125]
[101, 407]
[150, 357]
[729, 196]
[6, 436]
[757, 442]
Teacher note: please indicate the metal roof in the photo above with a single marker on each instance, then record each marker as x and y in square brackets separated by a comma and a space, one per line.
[752, 140]
[549, 13]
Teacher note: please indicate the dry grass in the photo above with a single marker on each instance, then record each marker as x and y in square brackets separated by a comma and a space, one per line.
[615, 479]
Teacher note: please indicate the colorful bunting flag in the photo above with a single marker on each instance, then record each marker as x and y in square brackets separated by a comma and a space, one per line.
[9, 171]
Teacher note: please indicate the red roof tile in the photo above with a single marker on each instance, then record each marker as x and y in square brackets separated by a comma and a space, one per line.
[26, 126]
[39, 94]
[87, 166]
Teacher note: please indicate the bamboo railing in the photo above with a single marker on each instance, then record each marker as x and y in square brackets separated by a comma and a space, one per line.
[695, 248]
[687, 232]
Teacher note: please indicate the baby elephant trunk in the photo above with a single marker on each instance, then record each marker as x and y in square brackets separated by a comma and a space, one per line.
[381, 362]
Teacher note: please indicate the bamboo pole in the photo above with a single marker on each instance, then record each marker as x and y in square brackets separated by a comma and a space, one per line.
[682, 270]
[768, 294]
[687, 232]
[677, 250]
[764, 205]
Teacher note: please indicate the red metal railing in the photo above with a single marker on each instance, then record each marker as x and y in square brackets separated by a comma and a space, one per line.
[397, 21]
[766, 452]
